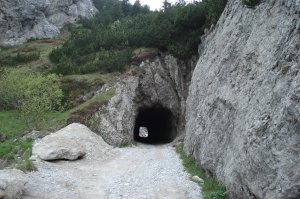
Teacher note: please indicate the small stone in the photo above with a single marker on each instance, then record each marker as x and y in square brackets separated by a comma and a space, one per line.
[197, 179]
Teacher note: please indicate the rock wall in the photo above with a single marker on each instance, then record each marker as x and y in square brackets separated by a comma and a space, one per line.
[22, 20]
[163, 81]
[243, 107]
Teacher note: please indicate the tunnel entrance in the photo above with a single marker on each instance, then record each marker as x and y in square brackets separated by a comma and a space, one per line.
[159, 124]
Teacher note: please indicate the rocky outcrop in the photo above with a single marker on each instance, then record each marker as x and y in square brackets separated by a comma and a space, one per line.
[243, 108]
[22, 20]
[70, 143]
[12, 183]
[160, 82]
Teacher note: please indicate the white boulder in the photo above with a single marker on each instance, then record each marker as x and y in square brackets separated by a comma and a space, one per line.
[12, 183]
[70, 143]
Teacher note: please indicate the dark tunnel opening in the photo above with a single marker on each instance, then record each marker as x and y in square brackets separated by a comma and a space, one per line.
[158, 121]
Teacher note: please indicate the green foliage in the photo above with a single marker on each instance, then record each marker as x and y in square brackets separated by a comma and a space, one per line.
[213, 10]
[73, 89]
[105, 43]
[8, 149]
[10, 125]
[103, 60]
[251, 3]
[112, 10]
[26, 164]
[31, 93]
[19, 58]
[65, 66]
[211, 189]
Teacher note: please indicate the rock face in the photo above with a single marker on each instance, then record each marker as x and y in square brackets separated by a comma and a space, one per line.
[22, 20]
[243, 108]
[69, 143]
[12, 183]
[162, 82]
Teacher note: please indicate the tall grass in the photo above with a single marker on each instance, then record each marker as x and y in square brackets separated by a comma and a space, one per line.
[211, 189]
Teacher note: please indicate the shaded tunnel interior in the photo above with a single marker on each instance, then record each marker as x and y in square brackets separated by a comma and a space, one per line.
[159, 122]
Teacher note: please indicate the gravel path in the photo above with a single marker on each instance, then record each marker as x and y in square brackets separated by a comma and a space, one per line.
[143, 171]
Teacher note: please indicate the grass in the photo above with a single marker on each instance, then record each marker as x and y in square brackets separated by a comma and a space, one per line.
[80, 88]
[13, 149]
[211, 189]
[106, 77]
[26, 164]
[16, 150]
[12, 128]
[41, 47]
[84, 112]
[100, 98]
[11, 125]
[132, 143]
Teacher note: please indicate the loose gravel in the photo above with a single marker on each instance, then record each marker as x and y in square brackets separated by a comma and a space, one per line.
[138, 172]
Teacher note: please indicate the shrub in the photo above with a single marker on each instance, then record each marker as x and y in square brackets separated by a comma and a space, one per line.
[65, 66]
[31, 93]
[20, 58]
[251, 3]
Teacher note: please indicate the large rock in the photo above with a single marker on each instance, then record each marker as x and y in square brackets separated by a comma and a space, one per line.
[22, 20]
[69, 143]
[12, 183]
[57, 147]
[243, 108]
[162, 81]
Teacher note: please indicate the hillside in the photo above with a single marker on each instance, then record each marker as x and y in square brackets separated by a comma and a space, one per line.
[217, 79]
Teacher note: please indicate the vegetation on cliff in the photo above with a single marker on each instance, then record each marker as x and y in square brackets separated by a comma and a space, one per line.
[106, 42]
[210, 187]
[251, 3]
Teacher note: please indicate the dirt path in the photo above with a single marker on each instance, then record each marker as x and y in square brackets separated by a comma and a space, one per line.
[144, 171]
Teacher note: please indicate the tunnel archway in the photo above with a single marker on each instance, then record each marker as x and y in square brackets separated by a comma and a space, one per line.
[159, 122]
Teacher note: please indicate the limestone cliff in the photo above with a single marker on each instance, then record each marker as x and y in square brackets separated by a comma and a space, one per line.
[25, 19]
[243, 107]
[162, 81]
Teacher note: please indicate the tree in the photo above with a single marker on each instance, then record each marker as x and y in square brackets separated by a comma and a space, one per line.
[126, 6]
[181, 2]
[116, 11]
[136, 8]
[166, 5]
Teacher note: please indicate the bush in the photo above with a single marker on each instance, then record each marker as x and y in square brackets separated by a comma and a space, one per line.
[251, 3]
[103, 60]
[32, 94]
[65, 66]
[20, 58]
